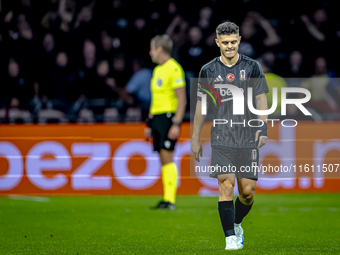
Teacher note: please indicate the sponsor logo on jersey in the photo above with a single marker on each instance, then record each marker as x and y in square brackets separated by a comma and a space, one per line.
[201, 89]
[219, 78]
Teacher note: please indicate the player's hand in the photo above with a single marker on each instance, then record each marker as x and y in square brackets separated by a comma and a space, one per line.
[196, 150]
[147, 133]
[263, 139]
[173, 132]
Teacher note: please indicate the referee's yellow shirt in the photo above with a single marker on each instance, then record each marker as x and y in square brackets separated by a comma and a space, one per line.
[165, 79]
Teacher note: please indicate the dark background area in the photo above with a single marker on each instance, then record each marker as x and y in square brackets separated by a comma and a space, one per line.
[88, 61]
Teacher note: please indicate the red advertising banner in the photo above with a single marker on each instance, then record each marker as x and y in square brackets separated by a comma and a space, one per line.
[115, 159]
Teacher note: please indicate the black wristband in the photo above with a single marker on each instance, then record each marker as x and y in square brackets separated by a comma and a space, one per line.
[263, 129]
[148, 122]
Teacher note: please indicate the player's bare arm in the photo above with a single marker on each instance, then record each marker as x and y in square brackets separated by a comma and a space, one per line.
[196, 146]
[261, 101]
[182, 102]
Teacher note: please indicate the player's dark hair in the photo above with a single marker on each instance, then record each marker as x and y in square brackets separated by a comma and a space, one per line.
[227, 28]
[163, 41]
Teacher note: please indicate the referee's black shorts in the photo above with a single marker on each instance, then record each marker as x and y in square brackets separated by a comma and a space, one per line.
[160, 127]
[243, 162]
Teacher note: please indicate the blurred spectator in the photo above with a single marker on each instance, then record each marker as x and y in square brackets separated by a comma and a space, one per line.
[119, 70]
[317, 31]
[47, 54]
[195, 53]
[114, 90]
[139, 83]
[100, 89]
[56, 80]
[89, 53]
[86, 74]
[24, 28]
[273, 80]
[103, 68]
[60, 22]
[106, 50]
[62, 77]
[83, 25]
[204, 20]
[49, 19]
[172, 10]
[56, 44]
[16, 114]
[321, 101]
[297, 68]
[178, 31]
[78, 105]
[271, 38]
[140, 30]
[21, 43]
[66, 12]
[317, 26]
[256, 32]
[84, 17]
[248, 38]
[48, 43]
[41, 103]
[138, 87]
[17, 85]
[104, 88]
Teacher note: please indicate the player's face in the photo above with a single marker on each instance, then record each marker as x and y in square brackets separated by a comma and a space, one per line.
[154, 52]
[228, 44]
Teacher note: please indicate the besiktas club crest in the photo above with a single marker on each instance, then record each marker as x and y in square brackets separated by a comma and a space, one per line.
[253, 154]
[242, 75]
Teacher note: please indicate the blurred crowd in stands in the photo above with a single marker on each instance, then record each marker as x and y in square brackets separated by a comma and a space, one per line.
[88, 61]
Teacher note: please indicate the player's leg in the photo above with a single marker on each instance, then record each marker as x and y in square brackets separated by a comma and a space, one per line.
[226, 184]
[169, 176]
[223, 161]
[246, 188]
[246, 182]
[243, 204]
[245, 200]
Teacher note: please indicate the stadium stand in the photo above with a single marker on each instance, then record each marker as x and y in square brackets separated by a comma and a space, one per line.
[61, 57]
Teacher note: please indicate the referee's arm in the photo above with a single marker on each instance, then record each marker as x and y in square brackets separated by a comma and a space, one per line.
[261, 101]
[147, 130]
[150, 115]
[182, 102]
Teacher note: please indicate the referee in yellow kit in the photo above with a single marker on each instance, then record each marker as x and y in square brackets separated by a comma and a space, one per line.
[168, 102]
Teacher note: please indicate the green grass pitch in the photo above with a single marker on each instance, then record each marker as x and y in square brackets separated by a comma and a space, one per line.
[277, 224]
